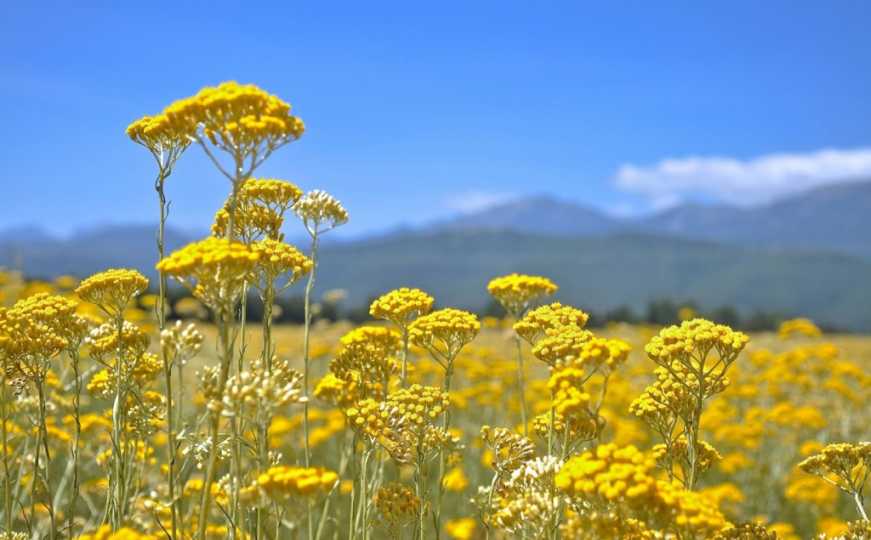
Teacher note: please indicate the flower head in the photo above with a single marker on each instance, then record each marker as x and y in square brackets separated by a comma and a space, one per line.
[113, 289]
[548, 318]
[241, 119]
[215, 268]
[320, 212]
[517, 291]
[445, 331]
[401, 306]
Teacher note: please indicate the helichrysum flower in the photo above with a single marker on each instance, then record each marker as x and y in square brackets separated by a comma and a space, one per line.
[261, 204]
[320, 211]
[537, 322]
[401, 306]
[165, 142]
[517, 291]
[798, 327]
[112, 290]
[367, 357]
[396, 504]
[843, 464]
[561, 345]
[746, 531]
[240, 119]
[694, 339]
[445, 331]
[124, 533]
[282, 483]
[215, 268]
[277, 259]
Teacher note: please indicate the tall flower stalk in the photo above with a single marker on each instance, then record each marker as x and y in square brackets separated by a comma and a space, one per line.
[444, 333]
[320, 213]
[166, 146]
[516, 292]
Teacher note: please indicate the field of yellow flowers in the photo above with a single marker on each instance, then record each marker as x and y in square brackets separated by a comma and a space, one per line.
[118, 423]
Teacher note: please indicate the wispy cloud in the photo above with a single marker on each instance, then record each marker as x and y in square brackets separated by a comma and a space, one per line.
[742, 182]
[473, 201]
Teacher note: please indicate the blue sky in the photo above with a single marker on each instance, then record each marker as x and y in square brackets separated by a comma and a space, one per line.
[416, 110]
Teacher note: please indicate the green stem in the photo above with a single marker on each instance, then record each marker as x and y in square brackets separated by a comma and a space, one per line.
[309, 286]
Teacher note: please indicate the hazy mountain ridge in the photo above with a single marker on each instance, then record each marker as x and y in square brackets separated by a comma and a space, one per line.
[835, 218]
[765, 258]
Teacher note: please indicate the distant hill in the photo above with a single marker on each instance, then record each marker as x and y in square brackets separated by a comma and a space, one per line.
[834, 218]
[605, 272]
[537, 215]
[831, 218]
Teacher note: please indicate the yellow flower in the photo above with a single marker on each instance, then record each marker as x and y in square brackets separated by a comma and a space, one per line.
[461, 529]
[401, 306]
[517, 291]
[455, 480]
[112, 289]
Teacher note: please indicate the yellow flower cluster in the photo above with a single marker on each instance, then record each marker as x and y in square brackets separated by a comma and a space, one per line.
[215, 268]
[608, 474]
[124, 533]
[846, 465]
[240, 118]
[746, 531]
[39, 327]
[695, 339]
[396, 503]
[284, 482]
[798, 327]
[536, 323]
[158, 135]
[259, 212]
[278, 195]
[401, 306]
[419, 405]
[445, 331]
[561, 346]
[516, 291]
[113, 289]
[367, 359]
[276, 258]
[615, 479]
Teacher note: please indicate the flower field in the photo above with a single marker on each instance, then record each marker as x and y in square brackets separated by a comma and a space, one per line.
[120, 422]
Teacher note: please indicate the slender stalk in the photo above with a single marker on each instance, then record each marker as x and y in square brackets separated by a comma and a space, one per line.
[71, 510]
[309, 286]
[43, 436]
[521, 385]
[226, 321]
[167, 362]
[7, 480]
[860, 504]
[437, 514]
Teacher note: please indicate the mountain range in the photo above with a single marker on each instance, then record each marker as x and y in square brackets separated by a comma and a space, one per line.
[809, 254]
[835, 218]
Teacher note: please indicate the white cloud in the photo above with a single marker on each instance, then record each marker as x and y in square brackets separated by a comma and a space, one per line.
[742, 182]
[473, 201]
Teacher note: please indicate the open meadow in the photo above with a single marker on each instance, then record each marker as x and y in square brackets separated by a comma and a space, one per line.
[131, 412]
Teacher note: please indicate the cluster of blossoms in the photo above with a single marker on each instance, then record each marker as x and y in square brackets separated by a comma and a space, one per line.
[553, 317]
[113, 289]
[240, 119]
[258, 210]
[517, 291]
[215, 269]
[288, 484]
[445, 332]
[401, 306]
[397, 505]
